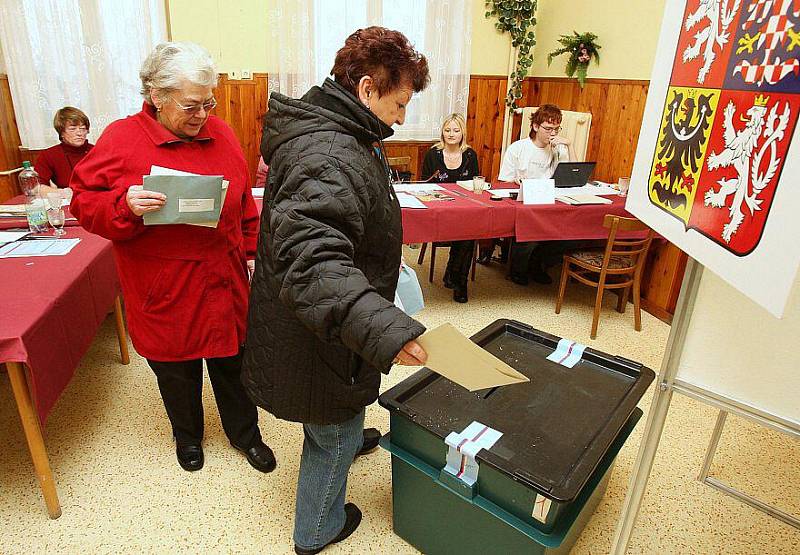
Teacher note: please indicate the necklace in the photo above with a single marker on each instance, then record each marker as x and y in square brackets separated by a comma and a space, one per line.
[452, 159]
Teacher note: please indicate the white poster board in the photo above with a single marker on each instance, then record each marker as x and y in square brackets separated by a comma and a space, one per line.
[717, 168]
[750, 358]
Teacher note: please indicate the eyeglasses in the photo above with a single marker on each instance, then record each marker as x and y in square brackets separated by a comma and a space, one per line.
[208, 105]
[76, 128]
[547, 129]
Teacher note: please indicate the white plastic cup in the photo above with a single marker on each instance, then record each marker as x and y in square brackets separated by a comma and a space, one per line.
[624, 184]
[479, 184]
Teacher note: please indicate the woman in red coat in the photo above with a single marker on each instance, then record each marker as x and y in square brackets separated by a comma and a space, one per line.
[55, 164]
[185, 287]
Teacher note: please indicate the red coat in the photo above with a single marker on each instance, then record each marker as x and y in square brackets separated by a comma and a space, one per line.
[185, 287]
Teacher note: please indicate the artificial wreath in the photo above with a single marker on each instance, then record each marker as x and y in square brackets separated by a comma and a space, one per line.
[517, 18]
[582, 49]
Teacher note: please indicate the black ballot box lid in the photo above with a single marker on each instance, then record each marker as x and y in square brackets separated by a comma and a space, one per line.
[556, 428]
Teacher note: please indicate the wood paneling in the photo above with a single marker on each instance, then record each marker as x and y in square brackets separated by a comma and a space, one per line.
[9, 142]
[617, 108]
[243, 103]
[414, 149]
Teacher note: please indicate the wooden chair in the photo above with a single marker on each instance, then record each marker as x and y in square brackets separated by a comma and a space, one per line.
[437, 244]
[399, 163]
[619, 267]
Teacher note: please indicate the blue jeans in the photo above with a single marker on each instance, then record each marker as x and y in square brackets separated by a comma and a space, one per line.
[328, 452]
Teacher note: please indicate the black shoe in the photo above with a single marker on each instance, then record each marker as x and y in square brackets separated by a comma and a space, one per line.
[371, 438]
[352, 520]
[519, 280]
[190, 457]
[460, 294]
[540, 276]
[259, 456]
[485, 257]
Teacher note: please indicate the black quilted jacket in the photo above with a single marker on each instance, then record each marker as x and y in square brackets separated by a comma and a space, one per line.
[322, 324]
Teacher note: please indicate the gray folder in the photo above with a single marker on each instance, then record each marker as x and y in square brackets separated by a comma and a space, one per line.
[190, 198]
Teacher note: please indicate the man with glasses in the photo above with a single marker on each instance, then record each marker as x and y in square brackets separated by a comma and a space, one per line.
[533, 157]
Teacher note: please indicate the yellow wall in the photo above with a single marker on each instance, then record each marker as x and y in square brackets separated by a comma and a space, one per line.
[627, 30]
[236, 34]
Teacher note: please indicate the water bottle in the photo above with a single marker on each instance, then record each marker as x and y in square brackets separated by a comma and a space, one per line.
[35, 208]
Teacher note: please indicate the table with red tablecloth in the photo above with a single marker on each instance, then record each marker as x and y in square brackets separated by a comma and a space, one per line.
[50, 310]
[471, 216]
[565, 222]
[467, 216]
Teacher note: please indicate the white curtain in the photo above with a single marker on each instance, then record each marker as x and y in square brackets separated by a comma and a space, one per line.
[305, 35]
[82, 53]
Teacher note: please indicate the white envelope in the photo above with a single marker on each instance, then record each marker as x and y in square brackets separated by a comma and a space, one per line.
[537, 191]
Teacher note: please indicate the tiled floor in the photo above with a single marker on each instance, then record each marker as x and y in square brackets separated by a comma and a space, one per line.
[121, 489]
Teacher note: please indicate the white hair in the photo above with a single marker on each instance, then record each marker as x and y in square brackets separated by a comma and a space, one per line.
[171, 64]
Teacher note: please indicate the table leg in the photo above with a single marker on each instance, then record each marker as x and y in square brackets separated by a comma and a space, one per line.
[33, 433]
[122, 336]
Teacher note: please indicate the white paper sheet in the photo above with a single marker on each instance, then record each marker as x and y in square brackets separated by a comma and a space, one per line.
[409, 201]
[588, 189]
[258, 192]
[568, 353]
[464, 446]
[416, 187]
[11, 236]
[38, 247]
[538, 191]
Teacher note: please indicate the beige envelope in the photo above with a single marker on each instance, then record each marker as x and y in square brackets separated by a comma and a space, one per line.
[458, 359]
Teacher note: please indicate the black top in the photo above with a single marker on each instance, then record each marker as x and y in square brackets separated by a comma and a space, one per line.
[322, 324]
[434, 160]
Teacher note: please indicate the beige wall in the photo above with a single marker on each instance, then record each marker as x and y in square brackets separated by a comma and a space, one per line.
[627, 30]
[236, 34]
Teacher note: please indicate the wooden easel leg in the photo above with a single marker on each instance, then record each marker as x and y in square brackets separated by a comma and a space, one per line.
[122, 336]
[33, 434]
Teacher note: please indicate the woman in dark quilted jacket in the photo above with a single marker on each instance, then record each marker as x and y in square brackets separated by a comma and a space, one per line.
[322, 323]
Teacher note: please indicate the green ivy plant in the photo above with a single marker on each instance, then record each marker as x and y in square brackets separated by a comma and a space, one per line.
[582, 49]
[516, 17]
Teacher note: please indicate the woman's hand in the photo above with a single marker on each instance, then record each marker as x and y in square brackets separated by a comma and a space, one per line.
[251, 269]
[140, 201]
[412, 354]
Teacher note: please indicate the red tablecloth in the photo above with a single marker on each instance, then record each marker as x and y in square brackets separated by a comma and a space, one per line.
[50, 310]
[563, 222]
[468, 216]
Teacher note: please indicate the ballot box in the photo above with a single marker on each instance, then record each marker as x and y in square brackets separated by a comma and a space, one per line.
[514, 469]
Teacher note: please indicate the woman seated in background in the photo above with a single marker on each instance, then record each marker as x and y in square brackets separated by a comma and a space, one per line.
[57, 162]
[448, 161]
[185, 287]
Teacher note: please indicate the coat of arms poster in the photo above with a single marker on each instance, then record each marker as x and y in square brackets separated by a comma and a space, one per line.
[717, 168]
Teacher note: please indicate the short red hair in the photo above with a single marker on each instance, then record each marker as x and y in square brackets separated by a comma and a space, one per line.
[385, 55]
[549, 113]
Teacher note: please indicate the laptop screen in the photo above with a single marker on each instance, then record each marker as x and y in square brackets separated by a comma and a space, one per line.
[573, 174]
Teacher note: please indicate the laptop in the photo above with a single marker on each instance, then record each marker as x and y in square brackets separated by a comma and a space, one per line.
[573, 174]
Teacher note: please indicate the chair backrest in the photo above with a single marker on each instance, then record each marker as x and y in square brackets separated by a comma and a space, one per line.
[399, 163]
[635, 249]
[575, 126]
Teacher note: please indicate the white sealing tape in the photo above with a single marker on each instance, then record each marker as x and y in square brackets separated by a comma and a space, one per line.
[541, 506]
[568, 353]
[464, 446]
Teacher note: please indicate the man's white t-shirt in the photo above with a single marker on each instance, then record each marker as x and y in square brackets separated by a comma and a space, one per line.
[525, 160]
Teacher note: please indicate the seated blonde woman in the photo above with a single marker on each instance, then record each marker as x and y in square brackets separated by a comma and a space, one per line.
[448, 161]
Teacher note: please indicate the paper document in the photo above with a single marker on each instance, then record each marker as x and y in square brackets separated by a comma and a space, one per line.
[409, 201]
[190, 198]
[589, 189]
[416, 187]
[11, 236]
[258, 192]
[160, 170]
[538, 191]
[38, 247]
[458, 359]
[15, 209]
[582, 199]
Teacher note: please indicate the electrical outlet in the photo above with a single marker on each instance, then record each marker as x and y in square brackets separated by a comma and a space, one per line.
[247, 74]
[233, 75]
